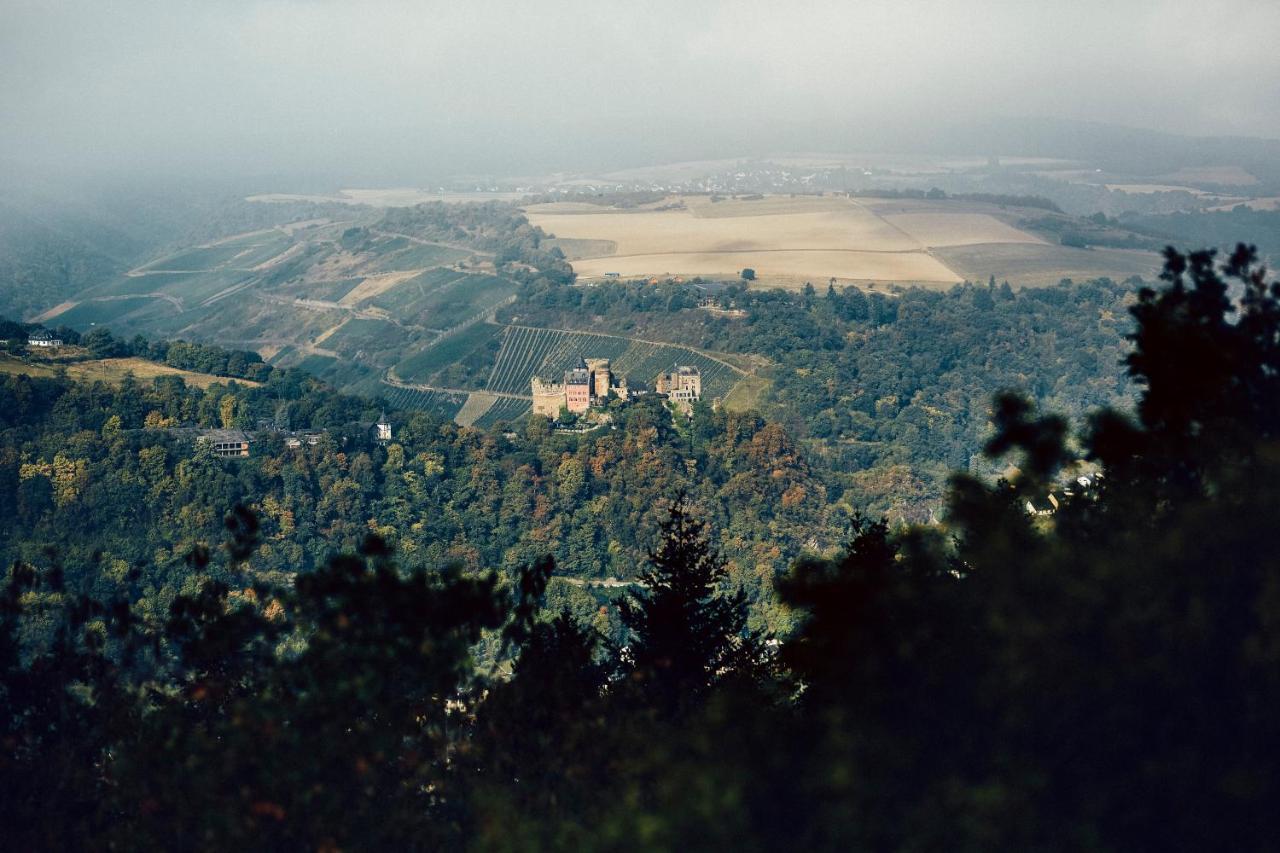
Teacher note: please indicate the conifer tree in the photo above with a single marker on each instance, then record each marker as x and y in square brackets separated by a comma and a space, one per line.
[688, 632]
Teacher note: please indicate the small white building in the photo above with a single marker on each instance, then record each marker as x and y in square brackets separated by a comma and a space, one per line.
[43, 339]
[383, 427]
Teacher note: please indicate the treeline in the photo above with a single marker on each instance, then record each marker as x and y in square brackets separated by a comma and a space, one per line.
[1004, 200]
[1218, 228]
[1096, 230]
[625, 199]
[1103, 678]
[15, 335]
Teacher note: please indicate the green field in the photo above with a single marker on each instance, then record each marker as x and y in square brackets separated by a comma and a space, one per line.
[269, 247]
[748, 394]
[131, 285]
[191, 288]
[335, 372]
[1039, 265]
[324, 291]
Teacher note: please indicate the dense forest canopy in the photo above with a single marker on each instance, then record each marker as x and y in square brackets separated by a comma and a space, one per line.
[1098, 677]
[109, 473]
[892, 390]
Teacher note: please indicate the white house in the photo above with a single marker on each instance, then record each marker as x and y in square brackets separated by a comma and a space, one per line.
[43, 339]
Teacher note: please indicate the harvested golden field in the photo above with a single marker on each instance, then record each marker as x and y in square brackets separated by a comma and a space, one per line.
[113, 371]
[1039, 265]
[785, 240]
[790, 240]
[958, 229]
[779, 267]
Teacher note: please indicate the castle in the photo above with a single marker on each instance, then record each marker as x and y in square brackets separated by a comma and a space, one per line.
[585, 385]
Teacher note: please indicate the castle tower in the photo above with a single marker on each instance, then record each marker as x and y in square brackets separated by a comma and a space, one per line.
[577, 388]
[548, 397]
[601, 377]
[383, 427]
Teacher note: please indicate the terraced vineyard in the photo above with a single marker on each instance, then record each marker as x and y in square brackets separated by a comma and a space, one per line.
[418, 255]
[442, 298]
[478, 403]
[108, 311]
[401, 299]
[444, 404]
[505, 409]
[421, 366]
[528, 352]
[198, 260]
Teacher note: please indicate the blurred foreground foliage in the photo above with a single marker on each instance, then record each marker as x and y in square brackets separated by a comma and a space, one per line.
[1103, 677]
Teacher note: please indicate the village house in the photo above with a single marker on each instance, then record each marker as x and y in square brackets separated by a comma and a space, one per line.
[310, 438]
[43, 339]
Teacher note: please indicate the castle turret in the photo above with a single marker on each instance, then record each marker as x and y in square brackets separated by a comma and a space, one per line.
[601, 377]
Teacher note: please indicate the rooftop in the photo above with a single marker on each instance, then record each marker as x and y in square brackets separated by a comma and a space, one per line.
[220, 436]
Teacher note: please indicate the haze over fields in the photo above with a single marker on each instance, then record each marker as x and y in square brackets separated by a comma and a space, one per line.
[384, 92]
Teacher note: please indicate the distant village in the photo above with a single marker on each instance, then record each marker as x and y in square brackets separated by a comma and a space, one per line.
[591, 383]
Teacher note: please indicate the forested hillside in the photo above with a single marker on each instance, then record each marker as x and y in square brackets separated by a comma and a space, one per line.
[888, 388]
[892, 390]
[1099, 677]
[102, 476]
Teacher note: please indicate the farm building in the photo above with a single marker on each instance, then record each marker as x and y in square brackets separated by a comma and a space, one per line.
[585, 385]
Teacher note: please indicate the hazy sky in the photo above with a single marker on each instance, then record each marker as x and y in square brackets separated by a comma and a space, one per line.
[375, 87]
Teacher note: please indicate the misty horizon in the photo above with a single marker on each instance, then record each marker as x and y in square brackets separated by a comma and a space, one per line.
[294, 93]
